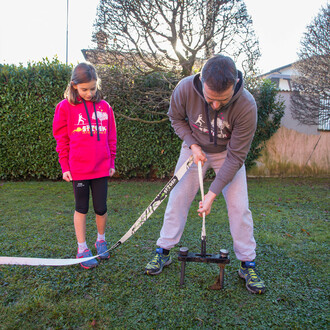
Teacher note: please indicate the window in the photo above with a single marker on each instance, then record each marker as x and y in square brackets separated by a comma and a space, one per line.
[324, 115]
[276, 81]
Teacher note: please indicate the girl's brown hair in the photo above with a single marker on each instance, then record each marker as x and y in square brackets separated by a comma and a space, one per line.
[82, 73]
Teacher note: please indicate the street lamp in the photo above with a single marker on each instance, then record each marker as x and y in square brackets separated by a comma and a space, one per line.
[67, 30]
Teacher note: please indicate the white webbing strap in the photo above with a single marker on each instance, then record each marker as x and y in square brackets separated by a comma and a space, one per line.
[139, 222]
[200, 175]
[42, 261]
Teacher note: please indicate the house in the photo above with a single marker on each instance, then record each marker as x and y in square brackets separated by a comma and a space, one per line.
[101, 56]
[295, 149]
[282, 77]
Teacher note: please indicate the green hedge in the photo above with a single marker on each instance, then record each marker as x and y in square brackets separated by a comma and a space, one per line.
[146, 150]
[27, 101]
[28, 98]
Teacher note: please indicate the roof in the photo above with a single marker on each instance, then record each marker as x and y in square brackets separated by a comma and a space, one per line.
[281, 76]
[100, 56]
[277, 70]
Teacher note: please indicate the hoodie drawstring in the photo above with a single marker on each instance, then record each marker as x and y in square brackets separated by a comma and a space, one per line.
[207, 115]
[206, 107]
[89, 120]
[215, 127]
[97, 123]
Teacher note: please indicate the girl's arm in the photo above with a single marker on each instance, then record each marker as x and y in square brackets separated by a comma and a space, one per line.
[112, 139]
[60, 132]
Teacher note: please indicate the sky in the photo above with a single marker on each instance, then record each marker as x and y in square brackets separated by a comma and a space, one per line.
[31, 30]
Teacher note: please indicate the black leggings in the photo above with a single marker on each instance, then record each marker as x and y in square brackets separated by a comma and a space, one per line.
[99, 189]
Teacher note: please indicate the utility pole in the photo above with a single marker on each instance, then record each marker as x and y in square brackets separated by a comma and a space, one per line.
[67, 30]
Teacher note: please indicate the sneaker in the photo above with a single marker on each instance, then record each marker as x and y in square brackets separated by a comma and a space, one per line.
[155, 266]
[87, 264]
[101, 248]
[253, 282]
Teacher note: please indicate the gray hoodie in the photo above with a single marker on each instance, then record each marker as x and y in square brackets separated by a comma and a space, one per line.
[193, 121]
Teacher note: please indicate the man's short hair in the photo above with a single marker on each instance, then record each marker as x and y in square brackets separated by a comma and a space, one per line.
[219, 73]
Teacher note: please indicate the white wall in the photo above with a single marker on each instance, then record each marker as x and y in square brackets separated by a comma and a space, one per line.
[288, 122]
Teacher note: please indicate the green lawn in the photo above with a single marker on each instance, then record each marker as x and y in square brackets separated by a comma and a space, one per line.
[291, 219]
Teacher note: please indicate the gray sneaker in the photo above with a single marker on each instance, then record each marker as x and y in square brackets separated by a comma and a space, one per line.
[156, 265]
[253, 281]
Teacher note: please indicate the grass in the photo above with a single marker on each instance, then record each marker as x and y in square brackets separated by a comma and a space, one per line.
[291, 219]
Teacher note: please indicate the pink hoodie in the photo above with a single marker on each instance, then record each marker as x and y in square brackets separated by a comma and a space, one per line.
[85, 156]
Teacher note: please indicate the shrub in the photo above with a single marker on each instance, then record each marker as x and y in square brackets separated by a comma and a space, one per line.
[270, 113]
[147, 144]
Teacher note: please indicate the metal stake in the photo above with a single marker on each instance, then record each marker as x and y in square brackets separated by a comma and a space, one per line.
[183, 252]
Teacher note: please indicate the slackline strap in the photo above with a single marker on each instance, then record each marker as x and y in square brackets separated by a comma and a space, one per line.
[139, 222]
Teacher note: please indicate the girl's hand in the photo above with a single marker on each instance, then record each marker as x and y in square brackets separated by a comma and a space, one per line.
[67, 176]
[112, 172]
[205, 206]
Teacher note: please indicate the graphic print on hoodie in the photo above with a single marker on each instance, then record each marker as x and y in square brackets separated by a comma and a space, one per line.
[222, 132]
[83, 124]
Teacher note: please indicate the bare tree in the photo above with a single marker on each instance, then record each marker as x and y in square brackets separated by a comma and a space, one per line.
[136, 97]
[175, 35]
[311, 97]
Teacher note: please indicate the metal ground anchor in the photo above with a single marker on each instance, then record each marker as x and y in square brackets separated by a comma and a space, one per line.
[219, 283]
[222, 259]
[183, 252]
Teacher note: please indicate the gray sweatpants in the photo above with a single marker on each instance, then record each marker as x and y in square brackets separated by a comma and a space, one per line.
[236, 197]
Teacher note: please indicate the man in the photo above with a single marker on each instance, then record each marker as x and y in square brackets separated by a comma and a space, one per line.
[216, 118]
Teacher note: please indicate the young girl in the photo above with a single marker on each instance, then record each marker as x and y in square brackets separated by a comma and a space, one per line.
[85, 131]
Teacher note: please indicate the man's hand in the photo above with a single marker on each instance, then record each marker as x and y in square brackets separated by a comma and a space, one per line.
[198, 154]
[67, 176]
[205, 206]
